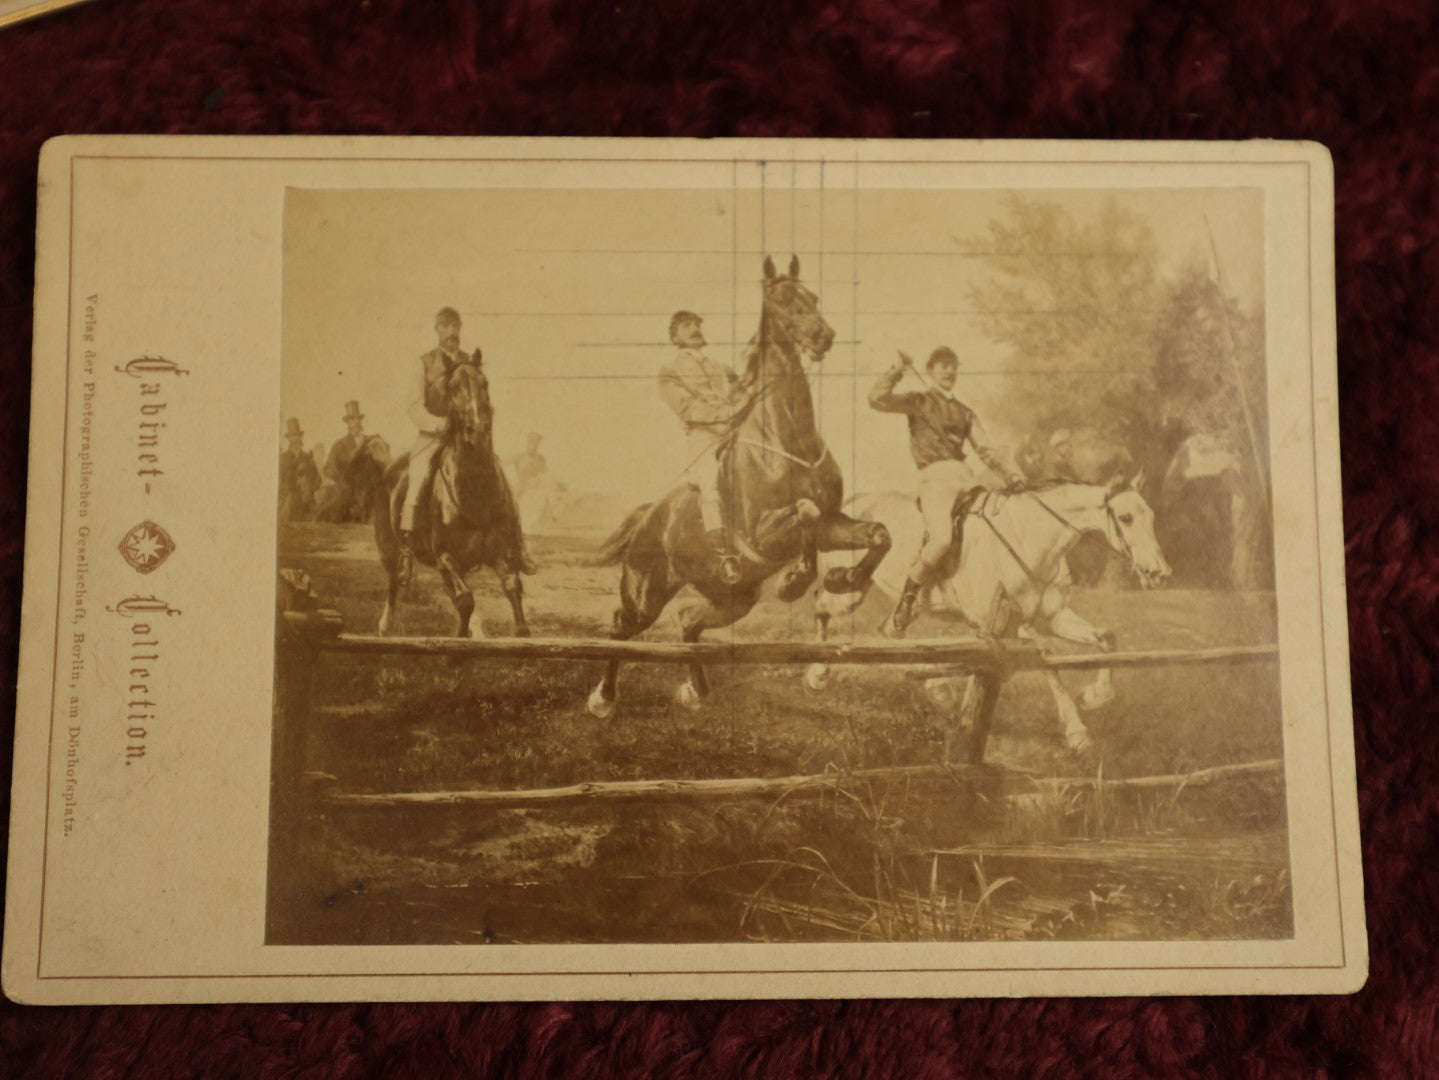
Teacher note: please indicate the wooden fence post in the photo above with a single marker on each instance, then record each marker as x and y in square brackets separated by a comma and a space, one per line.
[301, 629]
[986, 697]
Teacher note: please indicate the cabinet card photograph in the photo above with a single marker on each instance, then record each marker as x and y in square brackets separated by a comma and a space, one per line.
[605, 569]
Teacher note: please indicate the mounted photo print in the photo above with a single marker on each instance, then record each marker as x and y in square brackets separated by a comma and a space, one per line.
[558, 569]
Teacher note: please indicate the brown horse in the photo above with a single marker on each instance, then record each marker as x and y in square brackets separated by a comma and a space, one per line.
[466, 516]
[782, 491]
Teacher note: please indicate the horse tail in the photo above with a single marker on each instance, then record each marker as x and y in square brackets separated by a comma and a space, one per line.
[613, 549]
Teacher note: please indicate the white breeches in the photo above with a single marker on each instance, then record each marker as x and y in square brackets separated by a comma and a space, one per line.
[420, 456]
[703, 473]
[939, 485]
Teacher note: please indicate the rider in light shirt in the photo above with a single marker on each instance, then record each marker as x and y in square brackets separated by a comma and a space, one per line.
[706, 395]
[941, 427]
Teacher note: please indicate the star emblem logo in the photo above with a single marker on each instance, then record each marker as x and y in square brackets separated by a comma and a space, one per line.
[146, 546]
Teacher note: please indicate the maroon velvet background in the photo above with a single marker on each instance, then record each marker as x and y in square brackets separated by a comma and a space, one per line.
[1360, 76]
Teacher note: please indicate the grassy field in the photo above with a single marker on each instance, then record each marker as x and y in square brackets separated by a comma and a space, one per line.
[878, 860]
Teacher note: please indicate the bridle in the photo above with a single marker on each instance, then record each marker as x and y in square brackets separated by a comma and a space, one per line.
[780, 315]
[1111, 526]
[460, 418]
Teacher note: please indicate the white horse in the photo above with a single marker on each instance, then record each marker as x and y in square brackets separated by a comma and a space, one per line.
[1012, 561]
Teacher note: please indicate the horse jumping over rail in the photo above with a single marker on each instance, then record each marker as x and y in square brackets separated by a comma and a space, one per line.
[782, 490]
[1012, 569]
[466, 517]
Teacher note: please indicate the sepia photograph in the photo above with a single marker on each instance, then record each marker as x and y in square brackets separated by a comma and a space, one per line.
[791, 561]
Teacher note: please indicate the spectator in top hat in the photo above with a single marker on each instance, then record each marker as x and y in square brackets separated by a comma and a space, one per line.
[299, 478]
[340, 502]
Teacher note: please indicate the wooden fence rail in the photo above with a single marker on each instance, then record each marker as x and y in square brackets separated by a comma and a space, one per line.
[964, 655]
[305, 630]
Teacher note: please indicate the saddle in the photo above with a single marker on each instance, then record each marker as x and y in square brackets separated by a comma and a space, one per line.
[963, 505]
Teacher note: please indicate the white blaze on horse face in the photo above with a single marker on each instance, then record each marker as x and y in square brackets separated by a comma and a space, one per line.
[1135, 522]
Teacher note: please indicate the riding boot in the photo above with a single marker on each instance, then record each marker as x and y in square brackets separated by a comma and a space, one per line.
[904, 614]
[729, 564]
[407, 559]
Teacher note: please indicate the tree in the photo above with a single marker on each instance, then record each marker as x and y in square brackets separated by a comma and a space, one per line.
[1107, 344]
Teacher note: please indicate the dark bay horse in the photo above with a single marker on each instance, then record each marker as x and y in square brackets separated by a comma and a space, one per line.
[781, 488]
[466, 518]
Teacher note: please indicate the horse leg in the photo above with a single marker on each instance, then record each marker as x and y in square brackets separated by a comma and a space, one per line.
[1075, 733]
[392, 602]
[515, 592]
[816, 676]
[460, 595]
[695, 620]
[800, 575]
[388, 545]
[838, 532]
[642, 598]
[1070, 626]
[827, 606]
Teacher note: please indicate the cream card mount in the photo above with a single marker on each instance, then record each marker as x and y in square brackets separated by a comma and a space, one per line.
[510, 569]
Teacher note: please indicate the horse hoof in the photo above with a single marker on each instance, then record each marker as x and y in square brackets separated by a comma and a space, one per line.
[601, 707]
[1091, 699]
[816, 677]
[806, 509]
[688, 697]
[1079, 742]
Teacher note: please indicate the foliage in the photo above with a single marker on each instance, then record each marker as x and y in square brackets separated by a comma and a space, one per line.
[1145, 357]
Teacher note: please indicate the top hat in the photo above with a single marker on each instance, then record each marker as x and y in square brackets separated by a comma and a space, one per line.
[352, 411]
[292, 429]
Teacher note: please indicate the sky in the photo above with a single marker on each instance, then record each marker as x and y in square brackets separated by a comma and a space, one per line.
[568, 294]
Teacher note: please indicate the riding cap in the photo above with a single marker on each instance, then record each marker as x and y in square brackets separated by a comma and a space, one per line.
[942, 355]
[682, 317]
[447, 314]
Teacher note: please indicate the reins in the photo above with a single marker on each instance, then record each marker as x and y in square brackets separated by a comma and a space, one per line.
[1126, 555]
[732, 426]
[1081, 534]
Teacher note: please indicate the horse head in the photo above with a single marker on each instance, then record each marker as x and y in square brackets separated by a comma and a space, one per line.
[367, 465]
[791, 312]
[470, 412]
[1129, 528]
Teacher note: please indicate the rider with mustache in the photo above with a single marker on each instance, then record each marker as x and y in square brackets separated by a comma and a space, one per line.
[705, 394]
[940, 428]
[429, 410]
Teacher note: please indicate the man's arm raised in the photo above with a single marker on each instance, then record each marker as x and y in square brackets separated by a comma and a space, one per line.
[882, 396]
